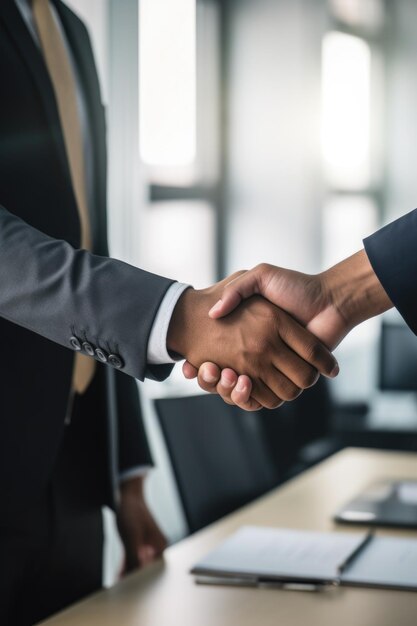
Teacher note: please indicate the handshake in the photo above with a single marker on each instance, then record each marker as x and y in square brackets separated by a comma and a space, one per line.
[260, 337]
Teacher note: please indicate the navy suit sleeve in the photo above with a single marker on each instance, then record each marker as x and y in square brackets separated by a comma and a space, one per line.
[392, 252]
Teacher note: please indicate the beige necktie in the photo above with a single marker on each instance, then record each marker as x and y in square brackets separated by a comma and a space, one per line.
[65, 88]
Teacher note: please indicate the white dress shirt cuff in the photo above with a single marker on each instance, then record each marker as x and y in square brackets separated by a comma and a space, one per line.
[134, 472]
[157, 344]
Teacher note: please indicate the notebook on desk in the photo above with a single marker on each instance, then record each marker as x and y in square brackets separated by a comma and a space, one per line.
[308, 559]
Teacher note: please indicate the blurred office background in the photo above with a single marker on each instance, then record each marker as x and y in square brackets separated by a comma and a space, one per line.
[243, 131]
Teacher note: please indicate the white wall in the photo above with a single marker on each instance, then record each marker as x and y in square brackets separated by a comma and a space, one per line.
[274, 191]
[401, 98]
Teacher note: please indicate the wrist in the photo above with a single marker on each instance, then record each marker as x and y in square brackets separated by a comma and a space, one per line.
[354, 290]
[187, 321]
[191, 332]
[179, 326]
[133, 486]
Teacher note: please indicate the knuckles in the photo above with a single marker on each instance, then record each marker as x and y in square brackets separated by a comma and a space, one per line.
[257, 349]
[262, 268]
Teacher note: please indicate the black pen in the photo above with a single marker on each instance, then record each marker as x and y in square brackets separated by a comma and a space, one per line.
[341, 568]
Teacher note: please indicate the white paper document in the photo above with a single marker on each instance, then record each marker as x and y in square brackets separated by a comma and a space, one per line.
[261, 554]
[281, 554]
[386, 562]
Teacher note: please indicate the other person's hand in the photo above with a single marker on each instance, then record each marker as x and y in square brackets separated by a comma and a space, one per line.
[142, 538]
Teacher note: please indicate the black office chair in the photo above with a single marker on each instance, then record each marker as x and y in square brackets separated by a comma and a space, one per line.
[397, 373]
[299, 434]
[397, 358]
[218, 455]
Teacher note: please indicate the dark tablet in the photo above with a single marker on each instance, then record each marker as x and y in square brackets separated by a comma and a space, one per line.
[386, 503]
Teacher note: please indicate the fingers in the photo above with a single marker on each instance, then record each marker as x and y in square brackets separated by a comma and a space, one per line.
[237, 390]
[153, 548]
[154, 541]
[286, 358]
[146, 554]
[224, 383]
[244, 285]
[231, 388]
[292, 374]
[236, 290]
[296, 374]
[281, 386]
[241, 395]
[227, 382]
[264, 395]
[155, 538]
[311, 350]
[208, 376]
[189, 370]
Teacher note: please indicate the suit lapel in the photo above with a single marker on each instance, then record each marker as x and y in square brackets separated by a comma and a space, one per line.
[83, 54]
[34, 62]
[81, 49]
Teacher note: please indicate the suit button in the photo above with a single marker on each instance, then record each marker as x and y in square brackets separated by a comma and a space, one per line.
[88, 348]
[101, 355]
[116, 361]
[75, 343]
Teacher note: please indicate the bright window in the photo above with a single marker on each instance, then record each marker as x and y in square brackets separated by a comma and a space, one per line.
[179, 241]
[167, 82]
[346, 84]
[347, 220]
[368, 14]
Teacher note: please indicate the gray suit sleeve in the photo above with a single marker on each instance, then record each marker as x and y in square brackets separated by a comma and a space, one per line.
[58, 292]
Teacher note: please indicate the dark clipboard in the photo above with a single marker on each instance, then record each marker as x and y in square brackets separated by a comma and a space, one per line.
[389, 503]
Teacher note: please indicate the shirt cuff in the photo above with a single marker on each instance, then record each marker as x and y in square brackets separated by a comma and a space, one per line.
[157, 344]
[134, 472]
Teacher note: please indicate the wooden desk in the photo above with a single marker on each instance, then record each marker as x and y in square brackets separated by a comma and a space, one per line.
[165, 594]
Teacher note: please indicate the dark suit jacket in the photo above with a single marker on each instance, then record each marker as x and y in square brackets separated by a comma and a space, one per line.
[50, 291]
[392, 252]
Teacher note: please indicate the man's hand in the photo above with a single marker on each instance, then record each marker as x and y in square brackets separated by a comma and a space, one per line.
[258, 340]
[142, 539]
[329, 305]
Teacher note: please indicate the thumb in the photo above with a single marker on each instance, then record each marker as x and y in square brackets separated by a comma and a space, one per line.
[239, 289]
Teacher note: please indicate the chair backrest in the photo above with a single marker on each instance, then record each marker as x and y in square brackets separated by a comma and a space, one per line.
[218, 455]
[295, 424]
[397, 358]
